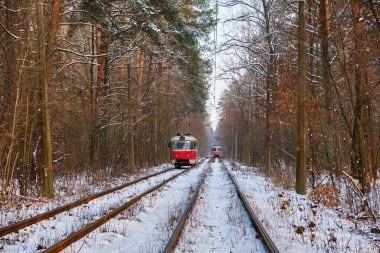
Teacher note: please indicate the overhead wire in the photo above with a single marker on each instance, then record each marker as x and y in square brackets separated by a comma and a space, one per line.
[215, 47]
[215, 56]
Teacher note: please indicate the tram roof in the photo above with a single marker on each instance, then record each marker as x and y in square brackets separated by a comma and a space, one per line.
[183, 137]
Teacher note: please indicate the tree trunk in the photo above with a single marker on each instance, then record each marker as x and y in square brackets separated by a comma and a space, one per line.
[102, 50]
[92, 130]
[236, 143]
[140, 73]
[377, 158]
[46, 134]
[327, 84]
[155, 132]
[7, 98]
[301, 175]
[250, 124]
[55, 20]
[270, 84]
[130, 122]
[359, 163]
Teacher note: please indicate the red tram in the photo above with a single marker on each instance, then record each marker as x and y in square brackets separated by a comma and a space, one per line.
[183, 150]
[217, 151]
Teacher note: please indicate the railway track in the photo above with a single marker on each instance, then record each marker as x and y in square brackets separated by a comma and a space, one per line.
[181, 222]
[255, 221]
[44, 216]
[94, 225]
[172, 242]
[269, 244]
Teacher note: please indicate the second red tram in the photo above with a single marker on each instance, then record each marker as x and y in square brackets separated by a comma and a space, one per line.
[217, 151]
[183, 150]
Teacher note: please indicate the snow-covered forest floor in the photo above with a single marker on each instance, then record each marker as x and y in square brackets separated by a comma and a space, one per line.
[218, 223]
[300, 224]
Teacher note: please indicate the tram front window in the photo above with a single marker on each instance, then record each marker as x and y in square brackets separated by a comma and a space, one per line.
[182, 145]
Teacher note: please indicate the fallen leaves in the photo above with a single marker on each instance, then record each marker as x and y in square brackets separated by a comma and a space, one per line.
[332, 239]
[312, 224]
[300, 230]
[40, 247]
[326, 194]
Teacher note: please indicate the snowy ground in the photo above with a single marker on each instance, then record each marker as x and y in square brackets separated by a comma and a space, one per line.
[45, 233]
[67, 191]
[296, 224]
[149, 227]
[218, 222]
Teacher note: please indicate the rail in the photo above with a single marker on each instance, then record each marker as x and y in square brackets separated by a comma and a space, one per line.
[94, 225]
[44, 216]
[259, 227]
[177, 231]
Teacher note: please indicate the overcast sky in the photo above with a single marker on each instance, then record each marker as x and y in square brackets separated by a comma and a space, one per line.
[221, 58]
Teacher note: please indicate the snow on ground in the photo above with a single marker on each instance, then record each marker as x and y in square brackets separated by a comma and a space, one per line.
[67, 191]
[219, 222]
[150, 226]
[46, 233]
[296, 224]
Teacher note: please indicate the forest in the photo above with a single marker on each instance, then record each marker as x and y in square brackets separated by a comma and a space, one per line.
[96, 86]
[99, 86]
[304, 77]
[93, 91]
